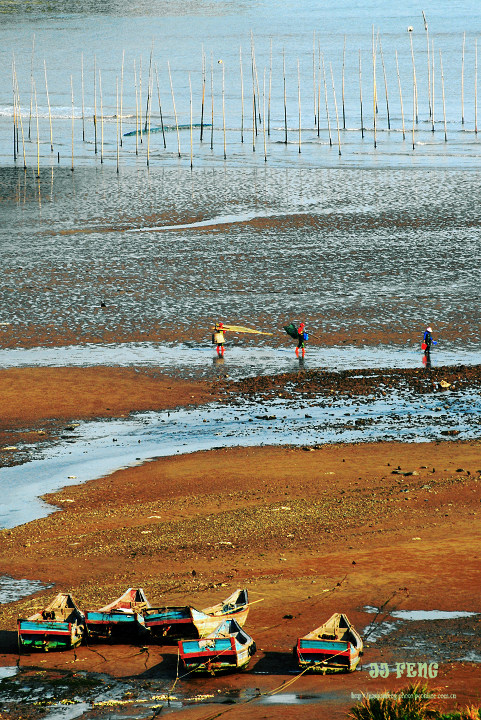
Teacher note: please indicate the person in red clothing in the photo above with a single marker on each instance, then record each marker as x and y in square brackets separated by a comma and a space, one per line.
[302, 338]
[218, 337]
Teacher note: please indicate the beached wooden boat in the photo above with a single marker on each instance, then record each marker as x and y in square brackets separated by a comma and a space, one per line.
[185, 622]
[228, 648]
[60, 626]
[120, 617]
[333, 647]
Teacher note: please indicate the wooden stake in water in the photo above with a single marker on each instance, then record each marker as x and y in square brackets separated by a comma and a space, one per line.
[175, 111]
[136, 112]
[299, 100]
[149, 115]
[73, 117]
[374, 88]
[160, 106]
[223, 107]
[148, 87]
[38, 132]
[400, 96]
[360, 93]
[385, 85]
[48, 103]
[212, 100]
[264, 112]
[14, 107]
[21, 123]
[83, 95]
[432, 87]
[462, 81]
[203, 96]
[335, 106]
[314, 76]
[429, 66]
[119, 132]
[242, 94]
[343, 73]
[476, 86]
[191, 135]
[327, 104]
[410, 30]
[285, 96]
[254, 114]
[140, 98]
[32, 86]
[270, 90]
[117, 117]
[318, 87]
[444, 100]
[101, 120]
[414, 106]
[95, 103]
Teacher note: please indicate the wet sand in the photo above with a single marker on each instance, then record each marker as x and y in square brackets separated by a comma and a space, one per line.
[309, 532]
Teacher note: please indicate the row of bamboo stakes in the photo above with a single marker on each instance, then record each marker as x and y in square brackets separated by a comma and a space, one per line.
[320, 78]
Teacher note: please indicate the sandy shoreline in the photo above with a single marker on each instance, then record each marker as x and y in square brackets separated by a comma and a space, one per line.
[298, 522]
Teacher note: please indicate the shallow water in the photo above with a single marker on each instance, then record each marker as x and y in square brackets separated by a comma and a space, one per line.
[101, 447]
[12, 589]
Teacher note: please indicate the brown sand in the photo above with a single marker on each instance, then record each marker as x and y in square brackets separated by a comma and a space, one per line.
[299, 523]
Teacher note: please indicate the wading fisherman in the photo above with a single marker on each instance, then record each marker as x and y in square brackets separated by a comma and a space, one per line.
[302, 338]
[427, 340]
[218, 337]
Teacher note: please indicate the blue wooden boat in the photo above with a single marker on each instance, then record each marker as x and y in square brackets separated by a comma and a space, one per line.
[228, 648]
[120, 617]
[330, 648]
[60, 626]
[185, 622]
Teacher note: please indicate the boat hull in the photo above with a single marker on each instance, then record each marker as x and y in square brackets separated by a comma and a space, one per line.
[114, 623]
[327, 657]
[49, 635]
[221, 655]
[187, 622]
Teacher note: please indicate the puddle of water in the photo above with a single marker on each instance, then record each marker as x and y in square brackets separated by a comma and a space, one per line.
[67, 712]
[12, 589]
[6, 672]
[431, 614]
[197, 360]
[105, 446]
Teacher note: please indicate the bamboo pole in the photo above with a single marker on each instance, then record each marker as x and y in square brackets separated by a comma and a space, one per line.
[95, 104]
[462, 80]
[48, 103]
[136, 112]
[38, 134]
[14, 108]
[32, 84]
[444, 100]
[212, 100]
[117, 118]
[374, 88]
[335, 106]
[175, 111]
[385, 85]
[264, 113]
[242, 93]
[414, 106]
[101, 120]
[203, 96]
[343, 72]
[314, 76]
[148, 118]
[21, 123]
[360, 92]
[191, 137]
[258, 95]
[432, 85]
[270, 91]
[299, 100]
[121, 98]
[476, 86]
[410, 30]
[318, 88]
[254, 113]
[327, 104]
[73, 118]
[140, 99]
[400, 96]
[160, 106]
[429, 66]
[285, 96]
[149, 102]
[83, 95]
[223, 107]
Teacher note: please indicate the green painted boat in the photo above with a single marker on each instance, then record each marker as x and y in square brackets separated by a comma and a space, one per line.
[60, 626]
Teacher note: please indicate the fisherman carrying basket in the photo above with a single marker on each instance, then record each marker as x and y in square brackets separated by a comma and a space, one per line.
[302, 338]
[218, 337]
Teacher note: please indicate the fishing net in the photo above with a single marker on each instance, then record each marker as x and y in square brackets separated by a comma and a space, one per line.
[291, 330]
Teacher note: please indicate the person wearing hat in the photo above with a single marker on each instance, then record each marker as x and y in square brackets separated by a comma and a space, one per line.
[302, 337]
[218, 337]
[428, 340]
